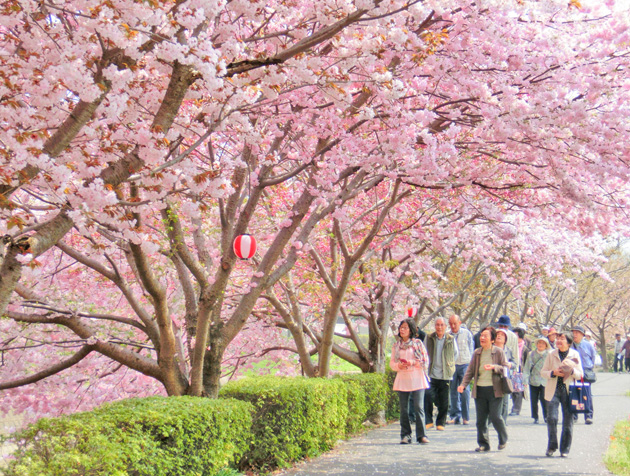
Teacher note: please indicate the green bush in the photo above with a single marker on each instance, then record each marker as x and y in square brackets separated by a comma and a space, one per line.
[367, 394]
[136, 437]
[392, 405]
[295, 417]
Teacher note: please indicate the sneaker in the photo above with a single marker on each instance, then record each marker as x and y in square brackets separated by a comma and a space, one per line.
[439, 428]
[423, 441]
[535, 421]
[482, 449]
[588, 421]
[550, 453]
[465, 422]
[564, 455]
[513, 414]
[429, 425]
[406, 440]
[502, 447]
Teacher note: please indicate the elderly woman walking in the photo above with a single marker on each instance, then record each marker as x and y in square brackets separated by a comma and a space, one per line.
[562, 367]
[487, 366]
[531, 375]
[411, 362]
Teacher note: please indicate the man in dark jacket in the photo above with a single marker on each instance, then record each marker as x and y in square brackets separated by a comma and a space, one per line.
[442, 350]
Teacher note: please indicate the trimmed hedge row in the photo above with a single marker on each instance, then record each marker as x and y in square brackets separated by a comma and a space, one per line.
[136, 437]
[294, 417]
[260, 422]
[367, 397]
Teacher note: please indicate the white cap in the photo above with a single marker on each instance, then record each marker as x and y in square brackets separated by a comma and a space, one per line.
[522, 325]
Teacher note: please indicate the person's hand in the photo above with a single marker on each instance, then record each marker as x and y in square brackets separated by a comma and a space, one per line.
[460, 389]
[509, 365]
[488, 367]
[558, 373]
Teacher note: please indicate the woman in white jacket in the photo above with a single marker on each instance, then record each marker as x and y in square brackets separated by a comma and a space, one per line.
[561, 368]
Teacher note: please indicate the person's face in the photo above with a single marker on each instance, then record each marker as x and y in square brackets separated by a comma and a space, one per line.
[454, 323]
[485, 339]
[541, 346]
[500, 340]
[403, 331]
[577, 336]
[618, 337]
[561, 343]
[440, 328]
[545, 332]
[552, 337]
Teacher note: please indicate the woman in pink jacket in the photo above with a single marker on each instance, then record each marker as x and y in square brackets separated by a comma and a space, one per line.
[411, 362]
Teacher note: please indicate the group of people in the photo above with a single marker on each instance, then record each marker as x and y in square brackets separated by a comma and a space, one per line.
[622, 353]
[437, 369]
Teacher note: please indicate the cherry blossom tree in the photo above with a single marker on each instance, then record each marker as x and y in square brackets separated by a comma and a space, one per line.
[139, 139]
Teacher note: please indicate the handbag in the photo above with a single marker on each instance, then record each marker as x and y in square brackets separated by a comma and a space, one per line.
[590, 376]
[517, 382]
[580, 397]
[506, 385]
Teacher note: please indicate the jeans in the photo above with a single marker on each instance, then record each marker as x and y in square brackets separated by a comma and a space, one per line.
[489, 407]
[437, 395]
[405, 426]
[560, 400]
[460, 402]
[618, 364]
[505, 404]
[536, 394]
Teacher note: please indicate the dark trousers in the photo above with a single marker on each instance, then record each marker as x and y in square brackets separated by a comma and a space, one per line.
[537, 394]
[437, 395]
[618, 364]
[489, 407]
[405, 426]
[628, 364]
[517, 402]
[559, 401]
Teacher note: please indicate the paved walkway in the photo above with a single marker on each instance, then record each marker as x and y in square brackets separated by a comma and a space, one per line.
[450, 452]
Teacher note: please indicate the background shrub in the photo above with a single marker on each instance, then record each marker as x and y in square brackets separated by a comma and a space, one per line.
[294, 417]
[370, 401]
[392, 405]
[137, 437]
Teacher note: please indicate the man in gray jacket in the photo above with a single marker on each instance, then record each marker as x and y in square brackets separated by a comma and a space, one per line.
[460, 402]
[442, 350]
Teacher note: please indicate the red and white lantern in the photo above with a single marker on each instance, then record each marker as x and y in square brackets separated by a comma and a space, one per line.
[411, 311]
[245, 246]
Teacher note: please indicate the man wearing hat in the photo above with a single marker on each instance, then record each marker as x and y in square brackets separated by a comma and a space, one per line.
[551, 336]
[512, 340]
[587, 355]
[618, 364]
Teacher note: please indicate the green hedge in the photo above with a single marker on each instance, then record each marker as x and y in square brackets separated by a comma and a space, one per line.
[392, 410]
[151, 436]
[367, 394]
[295, 417]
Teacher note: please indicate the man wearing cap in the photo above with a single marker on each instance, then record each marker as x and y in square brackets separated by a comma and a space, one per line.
[512, 340]
[618, 364]
[551, 336]
[459, 410]
[587, 355]
[545, 331]
[626, 349]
